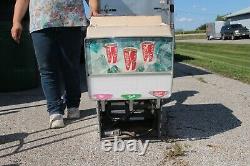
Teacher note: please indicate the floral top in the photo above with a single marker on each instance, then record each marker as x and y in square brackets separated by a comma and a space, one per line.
[56, 13]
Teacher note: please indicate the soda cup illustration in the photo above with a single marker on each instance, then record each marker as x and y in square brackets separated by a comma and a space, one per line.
[130, 57]
[148, 51]
[111, 51]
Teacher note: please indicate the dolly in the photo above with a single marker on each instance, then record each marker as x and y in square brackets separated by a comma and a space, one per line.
[129, 65]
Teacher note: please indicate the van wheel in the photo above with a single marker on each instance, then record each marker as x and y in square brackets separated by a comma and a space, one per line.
[232, 37]
[223, 37]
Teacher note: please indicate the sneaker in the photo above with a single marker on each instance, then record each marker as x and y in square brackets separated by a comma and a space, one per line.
[73, 113]
[56, 121]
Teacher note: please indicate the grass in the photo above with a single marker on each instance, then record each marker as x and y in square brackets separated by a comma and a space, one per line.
[188, 37]
[190, 32]
[173, 154]
[176, 151]
[230, 60]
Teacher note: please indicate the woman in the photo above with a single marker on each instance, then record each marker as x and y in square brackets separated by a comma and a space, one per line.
[56, 30]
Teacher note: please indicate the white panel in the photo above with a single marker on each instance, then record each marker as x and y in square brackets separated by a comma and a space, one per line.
[131, 7]
[118, 85]
[218, 26]
[137, 8]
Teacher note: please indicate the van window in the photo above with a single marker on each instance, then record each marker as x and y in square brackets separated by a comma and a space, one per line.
[234, 26]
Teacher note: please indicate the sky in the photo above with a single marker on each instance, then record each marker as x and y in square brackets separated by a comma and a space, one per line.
[190, 14]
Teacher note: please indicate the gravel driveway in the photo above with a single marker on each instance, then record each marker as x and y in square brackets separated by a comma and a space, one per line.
[241, 41]
[208, 121]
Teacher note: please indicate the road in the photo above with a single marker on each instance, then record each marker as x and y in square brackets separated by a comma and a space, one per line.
[242, 41]
[208, 117]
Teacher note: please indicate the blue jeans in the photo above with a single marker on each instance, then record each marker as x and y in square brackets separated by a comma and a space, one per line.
[58, 53]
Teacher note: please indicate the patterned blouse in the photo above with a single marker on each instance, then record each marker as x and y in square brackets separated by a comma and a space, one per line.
[56, 13]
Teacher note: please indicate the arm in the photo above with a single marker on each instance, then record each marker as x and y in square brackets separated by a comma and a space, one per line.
[21, 7]
[94, 7]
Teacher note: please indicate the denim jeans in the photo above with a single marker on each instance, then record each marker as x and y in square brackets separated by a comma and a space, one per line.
[58, 53]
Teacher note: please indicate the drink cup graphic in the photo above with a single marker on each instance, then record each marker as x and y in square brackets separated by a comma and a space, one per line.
[111, 51]
[130, 57]
[133, 57]
[148, 51]
[126, 53]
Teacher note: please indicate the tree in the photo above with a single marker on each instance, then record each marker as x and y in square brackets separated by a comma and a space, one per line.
[202, 27]
[179, 30]
[220, 18]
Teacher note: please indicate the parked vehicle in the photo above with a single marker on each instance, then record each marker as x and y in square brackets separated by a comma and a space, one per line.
[213, 29]
[234, 31]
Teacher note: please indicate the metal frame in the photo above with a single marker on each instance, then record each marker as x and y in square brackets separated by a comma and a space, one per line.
[151, 114]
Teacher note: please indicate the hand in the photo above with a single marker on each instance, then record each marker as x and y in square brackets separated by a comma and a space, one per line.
[94, 13]
[16, 32]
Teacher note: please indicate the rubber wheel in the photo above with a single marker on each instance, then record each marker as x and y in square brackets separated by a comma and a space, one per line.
[232, 37]
[223, 37]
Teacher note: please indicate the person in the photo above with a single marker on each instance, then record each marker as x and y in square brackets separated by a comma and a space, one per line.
[56, 30]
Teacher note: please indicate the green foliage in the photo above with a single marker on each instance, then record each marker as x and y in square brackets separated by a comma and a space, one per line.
[220, 18]
[202, 27]
[190, 32]
[190, 36]
[176, 151]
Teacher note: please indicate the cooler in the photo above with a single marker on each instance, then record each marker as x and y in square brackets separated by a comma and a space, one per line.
[129, 57]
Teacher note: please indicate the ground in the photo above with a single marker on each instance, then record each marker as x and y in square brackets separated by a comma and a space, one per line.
[208, 118]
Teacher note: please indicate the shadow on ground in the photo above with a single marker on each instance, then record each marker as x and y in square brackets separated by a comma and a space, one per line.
[5, 139]
[13, 138]
[84, 114]
[181, 58]
[182, 70]
[15, 98]
[199, 121]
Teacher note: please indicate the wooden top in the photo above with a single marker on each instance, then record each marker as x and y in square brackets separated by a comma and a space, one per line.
[127, 26]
